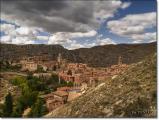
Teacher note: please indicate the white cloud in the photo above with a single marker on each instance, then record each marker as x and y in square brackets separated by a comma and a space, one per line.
[18, 35]
[19, 40]
[65, 37]
[75, 45]
[151, 36]
[42, 37]
[22, 40]
[137, 41]
[152, 41]
[66, 23]
[107, 9]
[89, 45]
[27, 31]
[105, 41]
[30, 42]
[5, 39]
[80, 34]
[23, 31]
[133, 26]
[27, 35]
[68, 16]
[147, 37]
[132, 23]
[8, 29]
[59, 38]
[125, 5]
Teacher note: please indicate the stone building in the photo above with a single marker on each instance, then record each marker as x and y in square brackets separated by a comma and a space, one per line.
[31, 66]
[53, 104]
[32, 63]
[59, 58]
[55, 99]
[61, 95]
[44, 75]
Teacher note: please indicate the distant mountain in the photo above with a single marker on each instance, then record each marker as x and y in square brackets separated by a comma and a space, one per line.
[131, 94]
[98, 56]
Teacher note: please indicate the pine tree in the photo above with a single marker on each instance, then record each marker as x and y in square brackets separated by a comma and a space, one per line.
[8, 105]
[37, 108]
[69, 72]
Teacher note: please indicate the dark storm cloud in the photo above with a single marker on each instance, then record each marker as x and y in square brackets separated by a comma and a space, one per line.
[53, 15]
[42, 5]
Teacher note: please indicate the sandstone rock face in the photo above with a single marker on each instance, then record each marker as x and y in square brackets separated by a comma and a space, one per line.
[131, 94]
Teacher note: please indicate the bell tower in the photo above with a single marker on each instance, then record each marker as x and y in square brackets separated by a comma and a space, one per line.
[59, 78]
[59, 58]
[119, 60]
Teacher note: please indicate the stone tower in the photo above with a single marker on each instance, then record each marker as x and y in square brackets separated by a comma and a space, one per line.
[59, 58]
[119, 60]
[59, 79]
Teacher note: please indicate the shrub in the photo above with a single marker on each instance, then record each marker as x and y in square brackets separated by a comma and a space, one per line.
[8, 105]
[18, 80]
[138, 108]
[38, 109]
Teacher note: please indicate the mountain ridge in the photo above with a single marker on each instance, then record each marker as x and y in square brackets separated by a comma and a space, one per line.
[97, 56]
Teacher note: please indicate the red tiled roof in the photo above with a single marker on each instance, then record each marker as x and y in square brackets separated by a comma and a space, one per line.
[63, 88]
[47, 95]
[61, 93]
[53, 101]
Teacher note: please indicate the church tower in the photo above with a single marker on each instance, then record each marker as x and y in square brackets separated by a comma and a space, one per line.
[119, 60]
[59, 58]
[59, 79]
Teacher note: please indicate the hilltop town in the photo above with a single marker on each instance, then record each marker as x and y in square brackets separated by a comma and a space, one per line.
[131, 94]
[78, 59]
[79, 74]
[54, 81]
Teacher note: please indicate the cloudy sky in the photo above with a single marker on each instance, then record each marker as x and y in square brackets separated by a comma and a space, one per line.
[78, 24]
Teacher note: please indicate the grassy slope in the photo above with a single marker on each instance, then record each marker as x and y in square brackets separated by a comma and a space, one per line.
[132, 94]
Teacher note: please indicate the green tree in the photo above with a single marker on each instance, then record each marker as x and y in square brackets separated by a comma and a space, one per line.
[69, 72]
[1, 110]
[70, 84]
[54, 78]
[17, 112]
[54, 68]
[38, 110]
[27, 99]
[18, 80]
[40, 68]
[37, 84]
[7, 65]
[29, 75]
[8, 105]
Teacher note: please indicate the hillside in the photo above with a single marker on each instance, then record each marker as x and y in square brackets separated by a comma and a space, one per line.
[132, 94]
[99, 56]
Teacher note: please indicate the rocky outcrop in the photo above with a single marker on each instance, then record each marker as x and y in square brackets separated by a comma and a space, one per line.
[5, 87]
